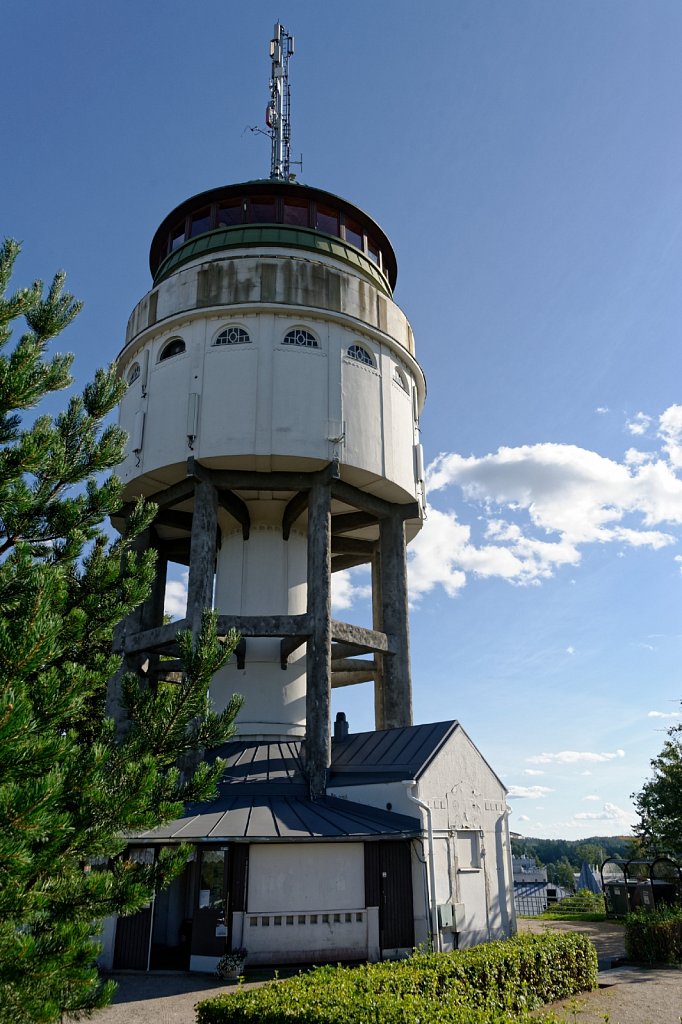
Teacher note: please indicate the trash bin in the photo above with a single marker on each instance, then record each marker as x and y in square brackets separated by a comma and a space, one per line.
[616, 897]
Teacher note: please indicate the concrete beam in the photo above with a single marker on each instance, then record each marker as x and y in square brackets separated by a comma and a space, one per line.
[249, 480]
[350, 678]
[175, 519]
[265, 625]
[345, 522]
[367, 502]
[352, 546]
[287, 647]
[238, 509]
[294, 509]
[367, 639]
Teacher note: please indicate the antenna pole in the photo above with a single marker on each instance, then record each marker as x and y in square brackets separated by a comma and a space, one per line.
[278, 113]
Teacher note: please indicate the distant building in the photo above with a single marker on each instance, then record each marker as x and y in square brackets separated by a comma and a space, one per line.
[526, 871]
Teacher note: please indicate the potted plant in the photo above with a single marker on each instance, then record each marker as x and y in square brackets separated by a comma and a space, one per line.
[231, 965]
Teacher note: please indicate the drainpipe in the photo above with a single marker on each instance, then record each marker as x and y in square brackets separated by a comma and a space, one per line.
[435, 930]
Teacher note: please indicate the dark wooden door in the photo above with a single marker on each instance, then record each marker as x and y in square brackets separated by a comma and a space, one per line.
[133, 934]
[209, 927]
[388, 885]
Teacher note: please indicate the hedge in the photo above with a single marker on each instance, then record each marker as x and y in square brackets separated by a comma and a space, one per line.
[488, 984]
[654, 936]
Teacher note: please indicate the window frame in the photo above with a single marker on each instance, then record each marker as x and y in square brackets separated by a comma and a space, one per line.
[164, 355]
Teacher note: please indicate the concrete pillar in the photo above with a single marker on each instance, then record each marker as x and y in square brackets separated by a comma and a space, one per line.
[396, 689]
[202, 552]
[318, 656]
[378, 624]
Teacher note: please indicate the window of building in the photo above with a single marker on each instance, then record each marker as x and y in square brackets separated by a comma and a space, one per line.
[133, 373]
[230, 213]
[177, 235]
[172, 348]
[200, 222]
[400, 379]
[302, 338]
[373, 250]
[327, 219]
[354, 233]
[233, 336]
[296, 212]
[263, 210]
[361, 355]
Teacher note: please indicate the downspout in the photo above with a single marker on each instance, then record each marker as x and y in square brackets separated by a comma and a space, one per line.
[435, 931]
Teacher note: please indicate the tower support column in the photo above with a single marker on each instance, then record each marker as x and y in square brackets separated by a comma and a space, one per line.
[318, 669]
[202, 552]
[393, 697]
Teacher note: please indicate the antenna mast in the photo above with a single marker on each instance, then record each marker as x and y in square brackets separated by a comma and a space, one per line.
[278, 112]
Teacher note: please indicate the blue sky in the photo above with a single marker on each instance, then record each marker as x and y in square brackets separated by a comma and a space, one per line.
[526, 161]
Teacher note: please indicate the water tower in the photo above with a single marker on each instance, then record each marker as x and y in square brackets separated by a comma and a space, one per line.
[272, 413]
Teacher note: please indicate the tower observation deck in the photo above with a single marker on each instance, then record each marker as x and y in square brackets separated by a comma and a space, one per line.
[272, 410]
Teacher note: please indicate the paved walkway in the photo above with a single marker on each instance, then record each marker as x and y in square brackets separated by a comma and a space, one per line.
[627, 995]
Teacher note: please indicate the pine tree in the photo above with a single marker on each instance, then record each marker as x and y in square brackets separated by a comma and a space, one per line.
[70, 788]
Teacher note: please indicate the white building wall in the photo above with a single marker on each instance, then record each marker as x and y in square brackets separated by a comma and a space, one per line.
[305, 902]
[472, 852]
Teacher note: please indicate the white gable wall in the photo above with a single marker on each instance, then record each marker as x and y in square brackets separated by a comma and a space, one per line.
[472, 850]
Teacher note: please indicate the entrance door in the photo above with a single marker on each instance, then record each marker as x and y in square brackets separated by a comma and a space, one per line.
[209, 929]
[133, 934]
[388, 885]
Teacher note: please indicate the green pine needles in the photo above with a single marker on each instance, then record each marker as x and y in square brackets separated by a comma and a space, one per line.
[70, 788]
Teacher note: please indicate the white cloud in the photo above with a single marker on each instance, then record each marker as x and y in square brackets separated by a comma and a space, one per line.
[586, 772]
[573, 756]
[533, 771]
[670, 431]
[664, 714]
[570, 650]
[601, 409]
[523, 817]
[610, 812]
[345, 591]
[639, 424]
[175, 599]
[527, 792]
[633, 457]
[592, 796]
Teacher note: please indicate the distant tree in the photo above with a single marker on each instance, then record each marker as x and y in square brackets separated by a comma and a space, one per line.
[561, 873]
[659, 804]
[592, 853]
[69, 789]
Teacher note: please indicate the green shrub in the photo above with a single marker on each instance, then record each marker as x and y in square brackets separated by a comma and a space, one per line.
[580, 904]
[490, 984]
[654, 936]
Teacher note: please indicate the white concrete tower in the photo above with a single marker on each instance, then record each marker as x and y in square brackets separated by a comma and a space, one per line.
[272, 413]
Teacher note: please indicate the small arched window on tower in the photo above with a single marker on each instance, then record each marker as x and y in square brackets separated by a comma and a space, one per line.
[133, 373]
[300, 338]
[360, 355]
[172, 348]
[400, 379]
[232, 335]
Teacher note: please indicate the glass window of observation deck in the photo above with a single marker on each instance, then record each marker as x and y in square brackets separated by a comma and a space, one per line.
[354, 233]
[262, 210]
[373, 250]
[177, 235]
[327, 220]
[230, 213]
[201, 221]
[296, 212]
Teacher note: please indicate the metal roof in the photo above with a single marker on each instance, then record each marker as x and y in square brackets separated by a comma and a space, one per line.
[387, 755]
[263, 794]
[262, 818]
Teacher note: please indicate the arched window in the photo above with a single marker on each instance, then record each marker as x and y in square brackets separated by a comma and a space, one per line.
[172, 348]
[302, 338]
[133, 373]
[233, 336]
[400, 379]
[361, 355]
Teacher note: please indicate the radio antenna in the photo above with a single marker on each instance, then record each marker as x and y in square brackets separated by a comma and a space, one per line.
[278, 112]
